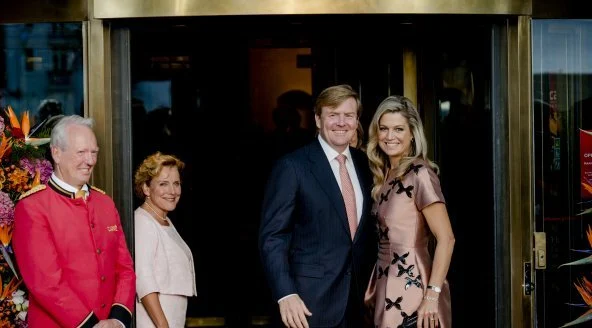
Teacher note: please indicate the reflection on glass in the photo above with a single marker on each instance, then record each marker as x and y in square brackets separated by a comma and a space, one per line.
[562, 101]
[463, 144]
[154, 94]
[41, 69]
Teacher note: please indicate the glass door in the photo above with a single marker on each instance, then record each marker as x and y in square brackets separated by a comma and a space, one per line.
[464, 109]
[562, 99]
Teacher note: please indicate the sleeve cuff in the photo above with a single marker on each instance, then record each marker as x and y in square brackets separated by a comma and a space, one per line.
[145, 287]
[90, 321]
[283, 298]
[121, 313]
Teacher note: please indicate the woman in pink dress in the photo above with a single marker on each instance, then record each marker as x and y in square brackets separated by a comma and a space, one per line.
[407, 284]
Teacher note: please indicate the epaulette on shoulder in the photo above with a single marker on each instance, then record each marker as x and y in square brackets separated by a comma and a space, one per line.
[33, 190]
[97, 189]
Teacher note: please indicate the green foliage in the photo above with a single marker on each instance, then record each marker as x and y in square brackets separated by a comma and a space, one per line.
[23, 150]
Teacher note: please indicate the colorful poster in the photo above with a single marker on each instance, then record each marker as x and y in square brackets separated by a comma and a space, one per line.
[586, 163]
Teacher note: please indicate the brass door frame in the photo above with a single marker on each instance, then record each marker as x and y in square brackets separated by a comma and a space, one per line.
[410, 72]
[43, 11]
[520, 163]
[107, 9]
[98, 97]
[32, 11]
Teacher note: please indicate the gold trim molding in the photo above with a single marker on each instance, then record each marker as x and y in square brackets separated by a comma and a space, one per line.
[106, 9]
[43, 11]
[98, 98]
[410, 74]
[520, 163]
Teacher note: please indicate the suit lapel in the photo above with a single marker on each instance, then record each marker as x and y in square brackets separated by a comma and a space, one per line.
[364, 185]
[321, 169]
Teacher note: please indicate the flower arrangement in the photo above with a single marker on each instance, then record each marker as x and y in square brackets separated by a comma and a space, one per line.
[22, 166]
[584, 286]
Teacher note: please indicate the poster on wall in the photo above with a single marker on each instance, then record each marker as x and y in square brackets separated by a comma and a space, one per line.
[586, 163]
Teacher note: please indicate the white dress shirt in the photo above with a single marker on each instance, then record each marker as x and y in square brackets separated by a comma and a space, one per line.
[66, 186]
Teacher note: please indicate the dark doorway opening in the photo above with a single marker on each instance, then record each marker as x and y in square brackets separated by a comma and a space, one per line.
[213, 90]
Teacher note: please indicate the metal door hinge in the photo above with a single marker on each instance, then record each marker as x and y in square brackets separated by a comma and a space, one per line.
[528, 285]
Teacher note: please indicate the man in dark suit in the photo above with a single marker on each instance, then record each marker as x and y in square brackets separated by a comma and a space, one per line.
[317, 241]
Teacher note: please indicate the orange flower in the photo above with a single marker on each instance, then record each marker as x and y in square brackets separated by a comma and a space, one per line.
[21, 130]
[10, 288]
[5, 145]
[36, 180]
[587, 187]
[14, 123]
[25, 125]
[2, 178]
[6, 234]
[585, 290]
[18, 179]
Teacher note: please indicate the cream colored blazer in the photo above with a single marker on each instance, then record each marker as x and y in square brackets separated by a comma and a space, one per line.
[163, 261]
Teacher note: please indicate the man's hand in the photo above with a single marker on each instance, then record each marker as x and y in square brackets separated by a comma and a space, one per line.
[109, 323]
[294, 312]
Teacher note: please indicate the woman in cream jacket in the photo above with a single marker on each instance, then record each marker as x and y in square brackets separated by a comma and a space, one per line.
[163, 261]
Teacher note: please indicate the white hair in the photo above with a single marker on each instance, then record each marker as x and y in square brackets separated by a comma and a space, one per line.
[59, 135]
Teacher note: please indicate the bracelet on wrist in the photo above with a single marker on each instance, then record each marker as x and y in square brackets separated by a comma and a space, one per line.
[435, 288]
[431, 299]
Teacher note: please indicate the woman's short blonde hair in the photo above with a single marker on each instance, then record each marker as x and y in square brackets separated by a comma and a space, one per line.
[151, 168]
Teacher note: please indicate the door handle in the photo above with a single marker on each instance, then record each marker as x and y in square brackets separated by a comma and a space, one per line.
[540, 250]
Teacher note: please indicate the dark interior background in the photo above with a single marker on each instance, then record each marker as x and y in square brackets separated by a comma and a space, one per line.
[211, 125]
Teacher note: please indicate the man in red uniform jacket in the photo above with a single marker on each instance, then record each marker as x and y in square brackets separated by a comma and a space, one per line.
[68, 241]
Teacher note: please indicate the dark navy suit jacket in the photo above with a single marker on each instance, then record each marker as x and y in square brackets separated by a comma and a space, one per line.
[304, 238]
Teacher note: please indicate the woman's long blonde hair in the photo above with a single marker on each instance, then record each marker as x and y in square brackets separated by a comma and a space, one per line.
[379, 161]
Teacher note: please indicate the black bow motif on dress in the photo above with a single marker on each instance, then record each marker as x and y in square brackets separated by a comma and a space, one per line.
[406, 190]
[393, 183]
[416, 282]
[384, 197]
[383, 272]
[396, 304]
[397, 258]
[408, 270]
[414, 168]
[408, 320]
